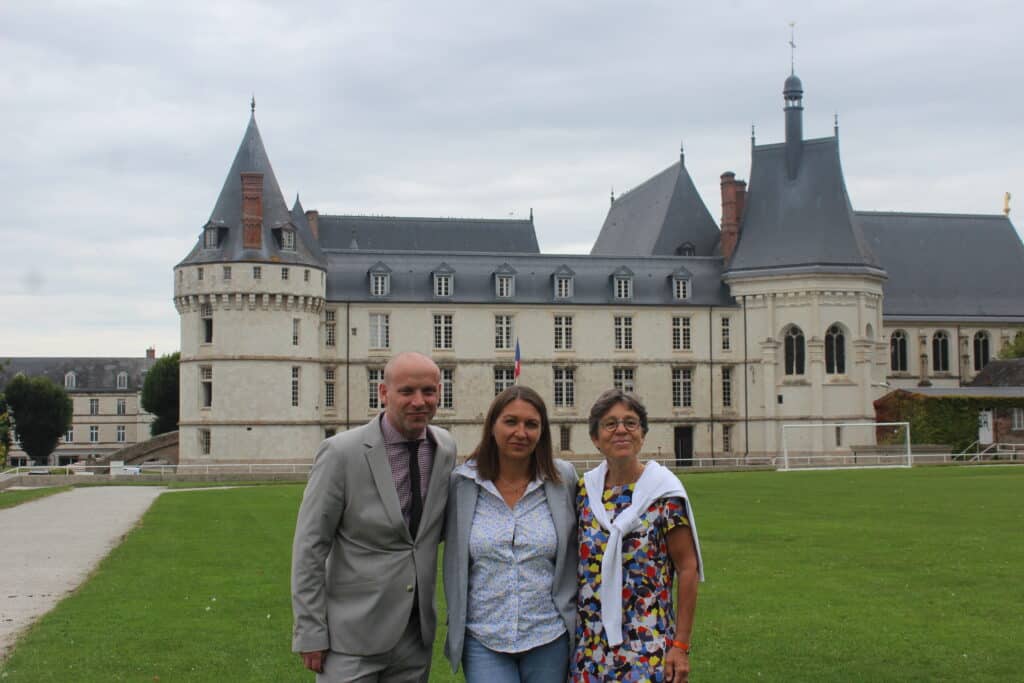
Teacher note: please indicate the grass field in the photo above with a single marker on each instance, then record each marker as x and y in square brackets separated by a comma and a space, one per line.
[11, 498]
[868, 575]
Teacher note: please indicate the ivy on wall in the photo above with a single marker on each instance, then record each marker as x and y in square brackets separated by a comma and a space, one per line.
[948, 420]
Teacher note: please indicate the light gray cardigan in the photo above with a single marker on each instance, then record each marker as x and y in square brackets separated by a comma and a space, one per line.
[462, 494]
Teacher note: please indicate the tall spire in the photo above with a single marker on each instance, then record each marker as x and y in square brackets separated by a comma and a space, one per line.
[792, 48]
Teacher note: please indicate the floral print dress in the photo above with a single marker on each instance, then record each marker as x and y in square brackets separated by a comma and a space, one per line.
[648, 615]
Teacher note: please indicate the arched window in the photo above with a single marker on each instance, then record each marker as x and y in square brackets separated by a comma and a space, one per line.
[869, 331]
[794, 349]
[70, 380]
[835, 351]
[980, 350]
[940, 352]
[898, 351]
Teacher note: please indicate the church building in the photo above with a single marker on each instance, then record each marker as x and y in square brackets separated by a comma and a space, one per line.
[795, 309]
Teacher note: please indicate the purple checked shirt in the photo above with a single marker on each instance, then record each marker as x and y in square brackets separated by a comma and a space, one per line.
[398, 458]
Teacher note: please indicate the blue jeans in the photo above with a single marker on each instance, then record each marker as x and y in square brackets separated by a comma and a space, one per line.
[547, 663]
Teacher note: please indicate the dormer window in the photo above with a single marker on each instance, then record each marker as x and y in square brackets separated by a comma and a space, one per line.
[122, 380]
[622, 281]
[380, 279]
[681, 284]
[444, 281]
[288, 240]
[210, 238]
[563, 282]
[442, 285]
[505, 281]
[686, 249]
[70, 380]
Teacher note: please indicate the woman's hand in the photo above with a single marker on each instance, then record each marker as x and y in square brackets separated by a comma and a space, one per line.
[677, 666]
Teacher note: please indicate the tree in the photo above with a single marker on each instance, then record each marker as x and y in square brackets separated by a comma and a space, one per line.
[41, 413]
[5, 431]
[160, 394]
[1014, 349]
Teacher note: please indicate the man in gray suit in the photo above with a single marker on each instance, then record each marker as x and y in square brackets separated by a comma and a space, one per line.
[364, 559]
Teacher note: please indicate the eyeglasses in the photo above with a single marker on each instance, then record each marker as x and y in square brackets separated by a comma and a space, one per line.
[611, 424]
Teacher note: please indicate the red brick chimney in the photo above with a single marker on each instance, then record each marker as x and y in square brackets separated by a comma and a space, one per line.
[313, 217]
[151, 353]
[733, 196]
[252, 210]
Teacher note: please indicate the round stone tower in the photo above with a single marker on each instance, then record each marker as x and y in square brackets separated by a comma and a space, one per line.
[250, 294]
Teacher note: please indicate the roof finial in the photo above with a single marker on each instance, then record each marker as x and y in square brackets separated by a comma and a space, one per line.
[1006, 203]
[682, 153]
[613, 195]
[252, 104]
[835, 124]
[792, 48]
[753, 137]
[531, 214]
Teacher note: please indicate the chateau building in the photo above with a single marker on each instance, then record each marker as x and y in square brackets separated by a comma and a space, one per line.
[797, 309]
[106, 397]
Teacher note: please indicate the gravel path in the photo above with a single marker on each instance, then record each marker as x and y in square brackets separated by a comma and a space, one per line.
[49, 546]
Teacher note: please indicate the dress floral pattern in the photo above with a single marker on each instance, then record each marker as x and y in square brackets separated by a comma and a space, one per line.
[648, 615]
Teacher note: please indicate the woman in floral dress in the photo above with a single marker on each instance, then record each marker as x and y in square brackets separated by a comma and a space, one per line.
[633, 544]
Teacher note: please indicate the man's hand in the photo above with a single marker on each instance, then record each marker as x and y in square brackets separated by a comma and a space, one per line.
[314, 661]
[677, 666]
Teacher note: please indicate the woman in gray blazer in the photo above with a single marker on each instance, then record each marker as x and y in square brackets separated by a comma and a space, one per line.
[510, 550]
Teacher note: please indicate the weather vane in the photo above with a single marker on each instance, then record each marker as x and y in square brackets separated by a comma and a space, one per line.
[792, 48]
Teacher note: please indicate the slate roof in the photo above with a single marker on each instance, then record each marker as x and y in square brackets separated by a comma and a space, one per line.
[92, 375]
[657, 217]
[948, 265]
[411, 279]
[1001, 373]
[227, 214]
[390, 233]
[805, 225]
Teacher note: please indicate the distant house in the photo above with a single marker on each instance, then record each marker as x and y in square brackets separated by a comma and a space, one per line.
[1008, 376]
[107, 412]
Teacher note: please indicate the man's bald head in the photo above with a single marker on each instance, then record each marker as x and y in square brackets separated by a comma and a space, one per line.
[410, 391]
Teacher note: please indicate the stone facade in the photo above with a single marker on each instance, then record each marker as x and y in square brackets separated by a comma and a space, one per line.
[285, 329]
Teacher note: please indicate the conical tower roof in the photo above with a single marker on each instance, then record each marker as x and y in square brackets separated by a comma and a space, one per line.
[659, 217]
[226, 216]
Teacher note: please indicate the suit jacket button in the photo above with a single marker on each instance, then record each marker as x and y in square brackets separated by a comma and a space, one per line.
[409, 588]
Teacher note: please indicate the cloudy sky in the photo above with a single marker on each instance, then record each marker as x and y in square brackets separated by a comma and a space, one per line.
[119, 120]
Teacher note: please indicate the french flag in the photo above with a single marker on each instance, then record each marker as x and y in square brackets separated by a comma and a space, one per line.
[518, 366]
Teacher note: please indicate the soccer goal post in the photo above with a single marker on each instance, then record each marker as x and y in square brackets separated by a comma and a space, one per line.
[834, 445]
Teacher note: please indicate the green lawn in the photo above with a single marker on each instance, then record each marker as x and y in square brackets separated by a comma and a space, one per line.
[10, 498]
[869, 575]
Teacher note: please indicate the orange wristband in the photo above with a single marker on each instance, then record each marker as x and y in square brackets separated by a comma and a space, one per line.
[685, 647]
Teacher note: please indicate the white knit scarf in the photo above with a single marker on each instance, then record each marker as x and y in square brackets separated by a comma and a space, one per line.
[655, 482]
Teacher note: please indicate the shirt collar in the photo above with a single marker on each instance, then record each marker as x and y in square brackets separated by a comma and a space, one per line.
[393, 436]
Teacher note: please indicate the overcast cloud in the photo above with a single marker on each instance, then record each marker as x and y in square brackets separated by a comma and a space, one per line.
[119, 120]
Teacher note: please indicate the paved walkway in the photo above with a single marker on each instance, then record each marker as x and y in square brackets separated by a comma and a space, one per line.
[49, 546]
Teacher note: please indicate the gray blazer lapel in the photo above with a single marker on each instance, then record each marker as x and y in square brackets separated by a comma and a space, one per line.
[380, 467]
[438, 484]
[559, 515]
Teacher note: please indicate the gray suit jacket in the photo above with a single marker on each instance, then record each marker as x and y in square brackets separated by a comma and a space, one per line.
[355, 568]
[462, 496]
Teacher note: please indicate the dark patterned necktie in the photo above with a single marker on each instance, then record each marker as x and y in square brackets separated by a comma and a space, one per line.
[416, 507]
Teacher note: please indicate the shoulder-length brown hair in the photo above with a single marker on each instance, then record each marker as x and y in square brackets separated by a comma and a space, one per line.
[542, 462]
